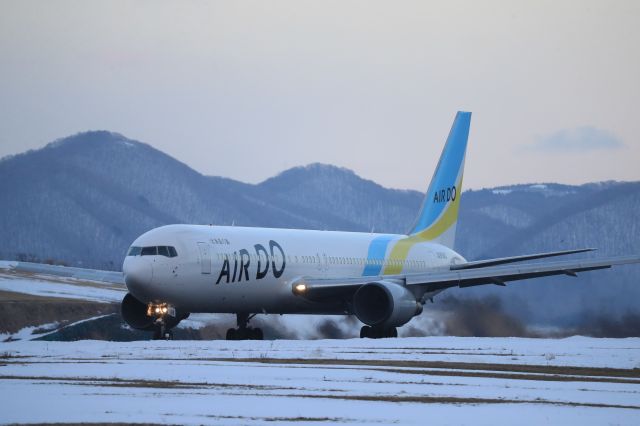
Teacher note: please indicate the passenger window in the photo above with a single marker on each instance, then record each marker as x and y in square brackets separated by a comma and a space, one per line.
[163, 251]
[149, 251]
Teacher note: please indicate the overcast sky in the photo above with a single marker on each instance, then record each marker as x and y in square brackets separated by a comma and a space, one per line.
[248, 89]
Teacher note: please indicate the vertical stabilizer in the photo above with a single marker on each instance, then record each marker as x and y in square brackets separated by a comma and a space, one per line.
[439, 213]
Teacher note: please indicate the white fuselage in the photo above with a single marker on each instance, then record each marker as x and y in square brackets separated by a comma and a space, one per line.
[238, 269]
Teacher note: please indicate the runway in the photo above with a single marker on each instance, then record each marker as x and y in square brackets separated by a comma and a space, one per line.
[439, 380]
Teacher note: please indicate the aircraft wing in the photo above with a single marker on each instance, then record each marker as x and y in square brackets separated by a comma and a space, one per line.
[513, 259]
[445, 278]
[111, 277]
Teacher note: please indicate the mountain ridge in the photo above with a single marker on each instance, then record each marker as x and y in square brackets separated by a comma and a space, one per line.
[83, 199]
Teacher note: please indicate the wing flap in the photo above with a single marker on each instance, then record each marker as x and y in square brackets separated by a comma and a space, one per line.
[512, 259]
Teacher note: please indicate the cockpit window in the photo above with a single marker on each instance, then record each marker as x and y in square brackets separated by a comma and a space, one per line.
[149, 251]
[166, 251]
[134, 251]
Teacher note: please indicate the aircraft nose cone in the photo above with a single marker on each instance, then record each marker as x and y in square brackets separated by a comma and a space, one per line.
[138, 274]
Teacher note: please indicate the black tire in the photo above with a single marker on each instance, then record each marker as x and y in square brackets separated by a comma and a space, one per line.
[365, 332]
[256, 334]
[392, 332]
[231, 334]
[168, 335]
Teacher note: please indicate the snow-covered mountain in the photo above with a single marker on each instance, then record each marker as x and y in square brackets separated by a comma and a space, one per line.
[83, 199]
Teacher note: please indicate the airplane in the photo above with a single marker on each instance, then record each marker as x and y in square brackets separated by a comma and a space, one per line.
[382, 279]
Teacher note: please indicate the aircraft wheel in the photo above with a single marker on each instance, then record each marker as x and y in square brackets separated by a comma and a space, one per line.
[365, 332]
[256, 334]
[377, 333]
[231, 334]
[168, 335]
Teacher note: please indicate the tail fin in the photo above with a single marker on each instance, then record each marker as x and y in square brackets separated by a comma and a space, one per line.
[439, 213]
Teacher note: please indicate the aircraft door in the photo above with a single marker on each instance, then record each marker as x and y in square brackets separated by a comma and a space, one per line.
[323, 264]
[205, 258]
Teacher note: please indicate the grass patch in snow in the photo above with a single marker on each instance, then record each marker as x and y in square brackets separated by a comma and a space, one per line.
[453, 400]
[141, 383]
[439, 365]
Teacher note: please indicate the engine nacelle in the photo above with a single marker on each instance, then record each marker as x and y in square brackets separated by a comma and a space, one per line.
[134, 313]
[385, 304]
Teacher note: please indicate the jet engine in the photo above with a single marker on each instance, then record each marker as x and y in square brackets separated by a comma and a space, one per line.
[385, 304]
[142, 316]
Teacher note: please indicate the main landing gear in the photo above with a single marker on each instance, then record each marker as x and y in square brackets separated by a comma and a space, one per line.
[243, 331]
[377, 333]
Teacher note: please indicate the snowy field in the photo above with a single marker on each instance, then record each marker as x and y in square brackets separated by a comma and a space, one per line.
[440, 380]
[40, 284]
[433, 380]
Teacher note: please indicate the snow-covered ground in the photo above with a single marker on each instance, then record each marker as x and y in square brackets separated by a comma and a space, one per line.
[60, 287]
[434, 380]
[440, 380]
[39, 331]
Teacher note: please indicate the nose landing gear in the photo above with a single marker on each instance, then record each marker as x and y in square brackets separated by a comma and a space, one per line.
[161, 332]
[161, 314]
[243, 331]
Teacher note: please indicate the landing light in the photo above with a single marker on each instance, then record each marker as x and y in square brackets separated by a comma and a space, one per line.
[160, 310]
[300, 288]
